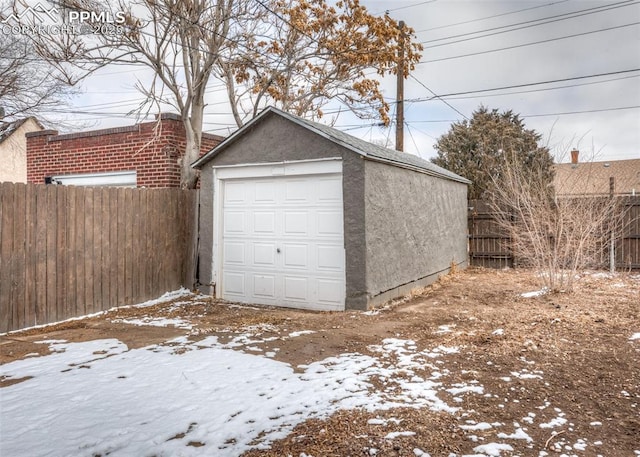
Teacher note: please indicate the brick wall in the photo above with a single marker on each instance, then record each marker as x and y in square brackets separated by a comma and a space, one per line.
[152, 149]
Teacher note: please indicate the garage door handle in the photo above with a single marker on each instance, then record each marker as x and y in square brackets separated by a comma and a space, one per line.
[278, 250]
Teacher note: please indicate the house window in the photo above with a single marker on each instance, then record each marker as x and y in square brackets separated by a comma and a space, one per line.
[112, 178]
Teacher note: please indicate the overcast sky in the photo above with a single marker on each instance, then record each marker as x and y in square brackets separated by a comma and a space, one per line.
[600, 115]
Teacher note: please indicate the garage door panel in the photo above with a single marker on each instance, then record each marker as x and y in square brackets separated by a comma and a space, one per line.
[234, 194]
[283, 241]
[264, 192]
[264, 286]
[296, 223]
[330, 257]
[296, 256]
[234, 253]
[296, 191]
[264, 255]
[329, 190]
[296, 288]
[329, 223]
[330, 291]
[234, 284]
[264, 222]
[234, 223]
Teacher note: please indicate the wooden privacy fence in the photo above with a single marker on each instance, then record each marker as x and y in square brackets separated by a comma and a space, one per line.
[72, 251]
[489, 247]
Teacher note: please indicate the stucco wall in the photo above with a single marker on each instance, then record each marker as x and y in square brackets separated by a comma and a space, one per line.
[205, 231]
[416, 226]
[401, 228]
[275, 139]
[13, 153]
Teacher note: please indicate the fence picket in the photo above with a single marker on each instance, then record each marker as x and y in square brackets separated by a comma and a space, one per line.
[67, 251]
[490, 249]
[7, 209]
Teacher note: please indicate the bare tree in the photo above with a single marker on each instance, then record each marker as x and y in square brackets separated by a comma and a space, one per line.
[298, 55]
[556, 235]
[179, 40]
[29, 86]
[308, 53]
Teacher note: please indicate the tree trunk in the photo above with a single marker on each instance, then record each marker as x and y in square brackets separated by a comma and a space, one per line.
[193, 130]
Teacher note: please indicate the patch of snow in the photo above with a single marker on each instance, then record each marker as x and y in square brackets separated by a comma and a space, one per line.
[580, 445]
[635, 336]
[444, 329]
[478, 426]
[492, 449]
[526, 374]
[519, 434]
[394, 435]
[601, 275]
[595, 423]
[556, 422]
[169, 296]
[420, 453]
[498, 331]
[535, 293]
[300, 333]
[157, 399]
[379, 421]
[463, 388]
[155, 322]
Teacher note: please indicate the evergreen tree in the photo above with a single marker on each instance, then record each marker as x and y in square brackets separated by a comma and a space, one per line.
[477, 149]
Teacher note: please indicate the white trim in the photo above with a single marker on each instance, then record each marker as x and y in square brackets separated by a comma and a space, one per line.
[229, 172]
[285, 168]
[112, 178]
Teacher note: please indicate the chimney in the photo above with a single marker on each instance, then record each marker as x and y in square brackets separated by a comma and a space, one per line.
[574, 156]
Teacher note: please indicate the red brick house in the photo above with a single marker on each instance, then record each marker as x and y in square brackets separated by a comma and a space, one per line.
[143, 155]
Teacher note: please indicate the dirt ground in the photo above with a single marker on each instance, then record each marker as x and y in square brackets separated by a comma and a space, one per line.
[558, 355]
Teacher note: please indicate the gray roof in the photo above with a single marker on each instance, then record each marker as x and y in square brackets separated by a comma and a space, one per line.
[364, 148]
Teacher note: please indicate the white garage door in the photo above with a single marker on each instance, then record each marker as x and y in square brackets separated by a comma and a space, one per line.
[282, 241]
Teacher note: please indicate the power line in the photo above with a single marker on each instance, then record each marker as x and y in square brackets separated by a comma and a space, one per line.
[545, 89]
[491, 17]
[438, 97]
[404, 7]
[529, 44]
[621, 108]
[515, 86]
[528, 24]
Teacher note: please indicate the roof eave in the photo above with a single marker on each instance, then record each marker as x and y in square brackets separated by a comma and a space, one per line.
[298, 121]
[229, 140]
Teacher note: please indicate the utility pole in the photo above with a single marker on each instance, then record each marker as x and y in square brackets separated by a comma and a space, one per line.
[400, 92]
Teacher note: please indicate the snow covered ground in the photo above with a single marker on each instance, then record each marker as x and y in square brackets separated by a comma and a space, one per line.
[201, 398]
[182, 398]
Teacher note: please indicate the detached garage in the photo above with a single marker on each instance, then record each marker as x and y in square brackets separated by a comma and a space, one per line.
[295, 213]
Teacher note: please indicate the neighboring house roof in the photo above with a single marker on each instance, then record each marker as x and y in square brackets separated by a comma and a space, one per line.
[8, 128]
[592, 178]
[364, 148]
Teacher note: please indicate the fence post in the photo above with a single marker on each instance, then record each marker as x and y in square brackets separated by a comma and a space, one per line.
[612, 246]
